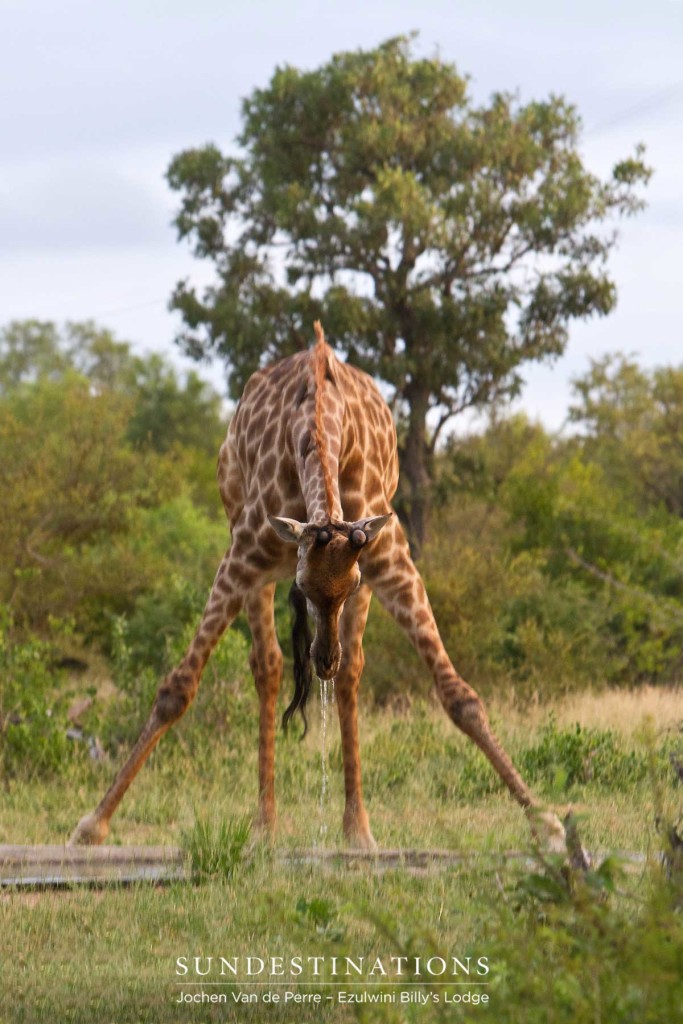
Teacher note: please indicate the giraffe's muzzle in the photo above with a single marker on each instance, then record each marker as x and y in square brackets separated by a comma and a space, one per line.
[326, 662]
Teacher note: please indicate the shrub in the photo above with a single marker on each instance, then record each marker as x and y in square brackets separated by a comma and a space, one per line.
[33, 720]
[223, 702]
[576, 756]
[561, 947]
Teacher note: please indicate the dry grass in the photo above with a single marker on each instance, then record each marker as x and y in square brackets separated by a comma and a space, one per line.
[625, 711]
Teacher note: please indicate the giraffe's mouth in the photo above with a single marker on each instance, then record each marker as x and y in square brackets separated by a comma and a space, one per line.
[326, 663]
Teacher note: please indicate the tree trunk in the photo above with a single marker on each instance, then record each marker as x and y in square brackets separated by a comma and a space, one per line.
[416, 489]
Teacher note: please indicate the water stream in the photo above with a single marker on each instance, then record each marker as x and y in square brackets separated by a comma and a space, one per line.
[323, 754]
[327, 698]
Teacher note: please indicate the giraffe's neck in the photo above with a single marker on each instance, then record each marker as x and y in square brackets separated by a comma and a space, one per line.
[317, 507]
[320, 490]
[317, 437]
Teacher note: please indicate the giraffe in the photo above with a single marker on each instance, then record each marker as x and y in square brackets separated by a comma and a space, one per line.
[307, 473]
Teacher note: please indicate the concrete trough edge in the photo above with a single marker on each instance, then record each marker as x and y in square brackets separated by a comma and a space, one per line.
[57, 866]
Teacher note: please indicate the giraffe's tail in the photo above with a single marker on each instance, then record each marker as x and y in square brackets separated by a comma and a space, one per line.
[301, 650]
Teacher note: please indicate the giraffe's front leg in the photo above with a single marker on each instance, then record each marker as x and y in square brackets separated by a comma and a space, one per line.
[265, 660]
[393, 576]
[356, 824]
[177, 691]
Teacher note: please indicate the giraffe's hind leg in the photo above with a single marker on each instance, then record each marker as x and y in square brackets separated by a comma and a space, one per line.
[351, 628]
[265, 660]
[178, 689]
[393, 576]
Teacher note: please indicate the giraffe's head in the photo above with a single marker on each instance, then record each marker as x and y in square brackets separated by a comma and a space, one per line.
[327, 574]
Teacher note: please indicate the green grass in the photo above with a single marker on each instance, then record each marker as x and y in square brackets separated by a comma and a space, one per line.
[109, 955]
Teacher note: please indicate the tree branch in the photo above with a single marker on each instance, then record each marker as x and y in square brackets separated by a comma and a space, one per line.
[606, 577]
[451, 411]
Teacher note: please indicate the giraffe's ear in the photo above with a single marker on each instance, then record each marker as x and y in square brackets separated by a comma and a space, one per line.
[288, 530]
[367, 529]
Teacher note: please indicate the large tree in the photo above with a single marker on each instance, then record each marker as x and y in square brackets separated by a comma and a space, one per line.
[443, 244]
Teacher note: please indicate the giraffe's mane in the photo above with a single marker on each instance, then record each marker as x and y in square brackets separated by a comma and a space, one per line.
[320, 357]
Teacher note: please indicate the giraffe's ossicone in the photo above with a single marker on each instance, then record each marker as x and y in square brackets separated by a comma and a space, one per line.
[307, 474]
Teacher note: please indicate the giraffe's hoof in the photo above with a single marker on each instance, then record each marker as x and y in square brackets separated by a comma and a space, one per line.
[366, 842]
[90, 831]
[359, 838]
[548, 830]
[554, 837]
[263, 830]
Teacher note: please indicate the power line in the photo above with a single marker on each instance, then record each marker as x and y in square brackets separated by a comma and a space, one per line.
[661, 98]
[129, 309]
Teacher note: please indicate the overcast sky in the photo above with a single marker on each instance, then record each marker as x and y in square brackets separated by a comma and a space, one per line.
[95, 97]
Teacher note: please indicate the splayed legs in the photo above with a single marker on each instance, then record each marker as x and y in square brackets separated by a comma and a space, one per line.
[175, 693]
[393, 576]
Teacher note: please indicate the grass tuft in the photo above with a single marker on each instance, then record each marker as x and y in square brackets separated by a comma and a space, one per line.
[216, 846]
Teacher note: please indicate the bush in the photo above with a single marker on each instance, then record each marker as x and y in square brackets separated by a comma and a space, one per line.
[577, 756]
[569, 950]
[142, 656]
[562, 948]
[33, 720]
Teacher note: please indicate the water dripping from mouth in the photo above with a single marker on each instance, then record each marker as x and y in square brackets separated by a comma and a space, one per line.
[327, 697]
[323, 754]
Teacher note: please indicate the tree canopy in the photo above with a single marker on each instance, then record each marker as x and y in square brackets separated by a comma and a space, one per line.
[566, 571]
[633, 422]
[165, 410]
[443, 244]
[107, 471]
